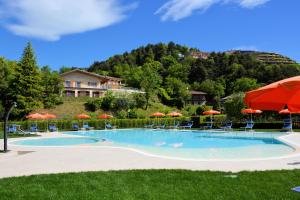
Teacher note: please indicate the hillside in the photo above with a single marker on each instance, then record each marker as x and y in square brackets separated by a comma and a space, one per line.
[218, 74]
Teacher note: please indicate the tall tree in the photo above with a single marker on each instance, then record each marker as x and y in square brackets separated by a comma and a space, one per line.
[52, 85]
[151, 79]
[27, 83]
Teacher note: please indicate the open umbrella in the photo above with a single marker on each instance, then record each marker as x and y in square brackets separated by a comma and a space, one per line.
[157, 114]
[251, 111]
[174, 114]
[105, 116]
[82, 116]
[35, 116]
[276, 96]
[211, 113]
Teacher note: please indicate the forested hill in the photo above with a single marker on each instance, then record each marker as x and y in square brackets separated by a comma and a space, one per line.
[219, 74]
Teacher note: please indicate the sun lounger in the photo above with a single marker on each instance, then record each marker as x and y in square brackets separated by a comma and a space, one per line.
[149, 125]
[52, 128]
[75, 127]
[161, 126]
[109, 126]
[12, 129]
[188, 124]
[209, 125]
[249, 125]
[176, 125]
[87, 127]
[34, 128]
[227, 126]
[287, 125]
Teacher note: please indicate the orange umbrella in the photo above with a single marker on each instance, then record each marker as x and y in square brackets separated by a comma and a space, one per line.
[211, 112]
[174, 114]
[158, 114]
[287, 112]
[105, 116]
[251, 111]
[82, 116]
[49, 116]
[35, 116]
[276, 96]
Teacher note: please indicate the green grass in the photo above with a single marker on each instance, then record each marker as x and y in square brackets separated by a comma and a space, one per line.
[154, 184]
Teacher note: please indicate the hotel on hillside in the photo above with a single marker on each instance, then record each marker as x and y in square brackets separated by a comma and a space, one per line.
[80, 83]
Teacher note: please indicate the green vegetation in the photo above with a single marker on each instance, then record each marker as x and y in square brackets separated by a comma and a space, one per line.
[28, 85]
[154, 184]
[221, 74]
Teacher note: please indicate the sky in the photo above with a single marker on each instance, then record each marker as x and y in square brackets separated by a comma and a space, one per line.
[77, 33]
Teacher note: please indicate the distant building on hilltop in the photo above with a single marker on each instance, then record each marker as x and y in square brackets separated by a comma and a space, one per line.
[78, 83]
[199, 54]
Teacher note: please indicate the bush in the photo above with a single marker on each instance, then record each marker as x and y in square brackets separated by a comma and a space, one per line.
[93, 105]
[234, 105]
[122, 114]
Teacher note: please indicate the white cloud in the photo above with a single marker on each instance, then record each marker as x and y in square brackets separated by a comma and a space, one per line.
[179, 9]
[51, 19]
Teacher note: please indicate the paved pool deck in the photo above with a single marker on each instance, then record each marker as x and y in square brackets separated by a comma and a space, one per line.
[25, 160]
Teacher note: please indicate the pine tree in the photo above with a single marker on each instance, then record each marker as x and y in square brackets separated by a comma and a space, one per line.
[27, 84]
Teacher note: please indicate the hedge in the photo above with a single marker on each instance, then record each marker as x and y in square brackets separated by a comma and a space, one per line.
[65, 125]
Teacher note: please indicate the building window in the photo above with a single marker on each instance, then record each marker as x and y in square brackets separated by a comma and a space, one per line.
[92, 84]
[78, 83]
[68, 83]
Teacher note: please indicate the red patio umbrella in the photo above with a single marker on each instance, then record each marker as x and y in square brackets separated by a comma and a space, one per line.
[35, 116]
[49, 116]
[174, 114]
[82, 116]
[105, 116]
[211, 113]
[276, 96]
[251, 111]
[157, 114]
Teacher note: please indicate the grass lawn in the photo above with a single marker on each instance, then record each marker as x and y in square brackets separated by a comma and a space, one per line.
[154, 184]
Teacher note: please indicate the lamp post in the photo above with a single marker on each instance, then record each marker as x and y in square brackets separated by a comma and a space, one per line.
[5, 126]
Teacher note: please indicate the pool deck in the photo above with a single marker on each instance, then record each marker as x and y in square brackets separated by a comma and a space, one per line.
[25, 160]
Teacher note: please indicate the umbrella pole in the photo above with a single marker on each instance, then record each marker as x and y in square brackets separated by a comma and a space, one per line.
[291, 121]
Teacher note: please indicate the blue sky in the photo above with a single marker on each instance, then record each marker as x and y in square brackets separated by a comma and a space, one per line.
[77, 33]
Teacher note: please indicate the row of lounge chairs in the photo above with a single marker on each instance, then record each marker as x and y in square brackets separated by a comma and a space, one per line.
[177, 124]
[52, 128]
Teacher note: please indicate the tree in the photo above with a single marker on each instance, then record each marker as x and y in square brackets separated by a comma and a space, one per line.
[27, 84]
[244, 85]
[151, 80]
[233, 106]
[178, 90]
[6, 80]
[52, 85]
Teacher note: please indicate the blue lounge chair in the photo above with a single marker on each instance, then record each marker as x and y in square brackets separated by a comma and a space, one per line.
[160, 126]
[227, 126]
[209, 125]
[287, 125]
[34, 128]
[75, 127]
[176, 125]
[188, 124]
[249, 125]
[12, 128]
[52, 128]
[86, 126]
[149, 125]
[109, 126]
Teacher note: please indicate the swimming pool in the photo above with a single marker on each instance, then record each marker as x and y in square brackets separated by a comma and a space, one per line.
[183, 144]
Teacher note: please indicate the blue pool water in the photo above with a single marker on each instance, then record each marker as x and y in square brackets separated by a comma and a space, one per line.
[181, 144]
